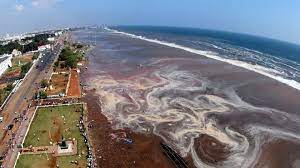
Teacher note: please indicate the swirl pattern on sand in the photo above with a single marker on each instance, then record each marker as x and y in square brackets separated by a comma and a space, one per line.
[170, 97]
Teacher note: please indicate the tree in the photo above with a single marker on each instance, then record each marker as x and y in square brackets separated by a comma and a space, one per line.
[9, 87]
[35, 56]
[36, 41]
[70, 57]
[25, 68]
[44, 83]
[8, 48]
[62, 65]
[65, 53]
[56, 63]
[43, 95]
[71, 62]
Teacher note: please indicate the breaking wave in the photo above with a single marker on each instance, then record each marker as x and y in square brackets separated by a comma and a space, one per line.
[271, 73]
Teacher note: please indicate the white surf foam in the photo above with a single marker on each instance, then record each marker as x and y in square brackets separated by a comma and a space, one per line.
[255, 68]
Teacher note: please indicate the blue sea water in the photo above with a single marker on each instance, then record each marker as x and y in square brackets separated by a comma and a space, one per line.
[280, 60]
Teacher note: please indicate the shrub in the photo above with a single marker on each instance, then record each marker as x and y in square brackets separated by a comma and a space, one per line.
[43, 95]
[9, 87]
[56, 63]
[25, 68]
[62, 65]
[44, 83]
[35, 56]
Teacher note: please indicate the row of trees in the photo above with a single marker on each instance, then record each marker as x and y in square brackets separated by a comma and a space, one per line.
[38, 40]
[25, 68]
[70, 57]
[41, 95]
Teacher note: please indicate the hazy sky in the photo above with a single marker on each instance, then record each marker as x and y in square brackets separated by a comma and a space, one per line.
[278, 19]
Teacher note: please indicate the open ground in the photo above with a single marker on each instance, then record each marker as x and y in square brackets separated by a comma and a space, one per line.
[74, 85]
[58, 84]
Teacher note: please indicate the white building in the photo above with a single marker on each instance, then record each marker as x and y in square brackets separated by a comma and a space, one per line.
[44, 47]
[16, 53]
[58, 33]
[5, 63]
[51, 39]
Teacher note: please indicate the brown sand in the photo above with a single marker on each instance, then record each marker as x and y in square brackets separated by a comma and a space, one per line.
[211, 150]
[280, 154]
[144, 152]
[74, 87]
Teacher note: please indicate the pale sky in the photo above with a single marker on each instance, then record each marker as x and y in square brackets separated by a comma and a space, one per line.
[270, 18]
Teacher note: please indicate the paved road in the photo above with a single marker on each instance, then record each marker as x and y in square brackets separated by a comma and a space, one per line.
[20, 100]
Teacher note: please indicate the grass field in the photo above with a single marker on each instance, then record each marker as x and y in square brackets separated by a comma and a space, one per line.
[13, 69]
[49, 125]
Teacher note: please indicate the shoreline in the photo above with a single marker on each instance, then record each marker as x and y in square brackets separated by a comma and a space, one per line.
[254, 68]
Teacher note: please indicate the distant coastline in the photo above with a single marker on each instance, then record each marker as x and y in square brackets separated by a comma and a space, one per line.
[271, 73]
[294, 46]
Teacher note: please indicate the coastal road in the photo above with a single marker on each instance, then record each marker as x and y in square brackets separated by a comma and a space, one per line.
[21, 99]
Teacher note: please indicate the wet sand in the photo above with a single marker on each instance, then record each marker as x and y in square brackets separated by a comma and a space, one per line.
[213, 114]
[211, 150]
[280, 154]
[144, 151]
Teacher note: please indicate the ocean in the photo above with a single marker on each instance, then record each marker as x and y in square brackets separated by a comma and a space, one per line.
[276, 59]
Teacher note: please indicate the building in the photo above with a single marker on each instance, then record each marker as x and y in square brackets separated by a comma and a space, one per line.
[51, 39]
[44, 47]
[5, 63]
[16, 53]
[58, 33]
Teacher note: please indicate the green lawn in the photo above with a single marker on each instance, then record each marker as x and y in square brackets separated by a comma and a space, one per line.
[13, 69]
[49, 125]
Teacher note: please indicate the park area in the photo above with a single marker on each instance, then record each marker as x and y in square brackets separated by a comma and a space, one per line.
[50, 125]
[20, 66]
[24, 61]
[21, 60]
[58, 84]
